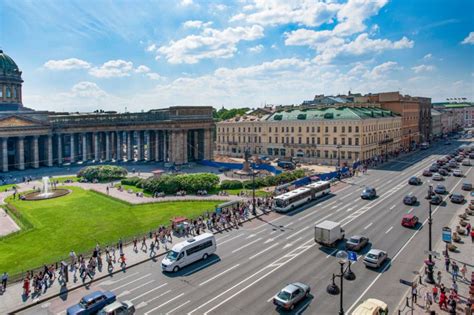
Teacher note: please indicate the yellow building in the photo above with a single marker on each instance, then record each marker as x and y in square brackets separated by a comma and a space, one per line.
[316, 135]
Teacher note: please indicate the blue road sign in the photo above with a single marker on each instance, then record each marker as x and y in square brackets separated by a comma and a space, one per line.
[446, 235]
[352, 256]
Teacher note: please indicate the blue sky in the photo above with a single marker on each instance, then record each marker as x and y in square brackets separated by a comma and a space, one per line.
[86, 55]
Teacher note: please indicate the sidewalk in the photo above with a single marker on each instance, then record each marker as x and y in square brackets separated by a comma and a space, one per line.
[463, 255]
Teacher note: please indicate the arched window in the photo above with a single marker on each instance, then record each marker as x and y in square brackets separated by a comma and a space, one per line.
[1, 91]
[9, 92]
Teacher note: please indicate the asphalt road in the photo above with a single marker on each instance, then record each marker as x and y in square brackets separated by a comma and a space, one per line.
[251, 264]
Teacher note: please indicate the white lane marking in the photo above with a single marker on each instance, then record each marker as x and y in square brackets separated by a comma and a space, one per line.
[334, 207]
[290, 223]
[389, 181]
[300, 231]
[143, 294]
[145, 303]
[389, 230]
[400, 250]
[201, 267]
[263, 251]
[342, 198]
[305, 216]
[270, 299]
[391, 208]
[218, 275]
[230, 239]
[246, 245]
[223, 237]
[260, 232]
[249, 285]
[126, 292]
[368, 225]
[332, 253]
[273, 232]
[291, 244]
[250, 236]
[350, 209]
[110, 282]
[329, 204]
[174, 309]
[409, 211]
[138, 279]
[167, 302]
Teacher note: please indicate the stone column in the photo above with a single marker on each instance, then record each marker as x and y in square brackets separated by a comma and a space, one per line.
[5, 154]
[139, 146]
[118, 153]
[73, 148]
[165, 146]
[49, 147]
[60, 149]
[207, 144]
[148, 145]
[130, 146]
[184, 146]
[196, 145]
[107, 146]
[35, 152]
[157, 145]
[84, 147]
[21, 152]
[96, 146]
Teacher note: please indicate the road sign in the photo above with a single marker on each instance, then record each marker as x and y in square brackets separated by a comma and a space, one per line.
[432, 253]
[352, 256]
[406, 282]
[446, 235]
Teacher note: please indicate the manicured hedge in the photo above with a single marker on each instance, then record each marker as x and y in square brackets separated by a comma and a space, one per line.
[191, 183]
[102, 173]
[231, 184]
[132, 181]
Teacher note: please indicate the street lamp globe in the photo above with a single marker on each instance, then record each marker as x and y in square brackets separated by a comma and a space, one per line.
[342, 256]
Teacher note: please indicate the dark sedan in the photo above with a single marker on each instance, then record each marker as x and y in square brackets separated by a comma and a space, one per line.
[456, 198]
[409, 200]
[92, 303]
[436, 200]
[443, 172]
[414, 180]
[440, 189]
[427, 173]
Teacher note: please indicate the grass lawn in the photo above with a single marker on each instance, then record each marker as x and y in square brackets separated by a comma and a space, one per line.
[7, 187]
[78, 221]
[134, 189]
[62, 179]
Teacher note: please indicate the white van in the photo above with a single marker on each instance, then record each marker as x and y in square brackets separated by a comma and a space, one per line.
[189, 251]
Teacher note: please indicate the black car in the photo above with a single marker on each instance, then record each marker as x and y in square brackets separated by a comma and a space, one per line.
[409, 200]
[443, 172]
[427, 173]
[433, 168]
[368, 193]
[440, 189]
[414, 180]
[466, 186]
[456, 198]
[436, 200]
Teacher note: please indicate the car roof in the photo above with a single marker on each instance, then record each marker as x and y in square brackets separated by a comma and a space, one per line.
[375, 251]
[292, 287]
[356, 236]
[113, 306]
[408, 216]
[92, 296]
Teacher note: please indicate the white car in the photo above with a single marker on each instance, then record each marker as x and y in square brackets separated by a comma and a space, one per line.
[375, 258]
[437, 176]
[458, 173]
[122, 308]
[466, 162]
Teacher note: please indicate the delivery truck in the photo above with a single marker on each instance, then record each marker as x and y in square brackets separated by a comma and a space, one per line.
[328, 233]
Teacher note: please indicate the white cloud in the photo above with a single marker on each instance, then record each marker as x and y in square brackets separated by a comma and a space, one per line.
[256, 49]
[196, 24]
[142, 69]
[151, 48]
[469, 39]
[275, 67]
[428, 56]
[112, 68]
[275, 12]
[67, 64]
[352, 15]
[154, 76]
[384, 69]
[423, 68]
[220, 7]
[186, 3]
[86, 89]
[211, 43]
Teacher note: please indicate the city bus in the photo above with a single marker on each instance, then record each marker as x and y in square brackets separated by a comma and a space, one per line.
[300, 196]
[320, 188]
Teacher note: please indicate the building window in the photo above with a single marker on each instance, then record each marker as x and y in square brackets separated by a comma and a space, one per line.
[312, 140]
[343, 141]
[14, 92]
[292, 140]
[326, 129]
[287, 129]
[259, 129]
[318, 153]
[356, 141]
[287, 139]
[343, 129]
[299, 140]
[307, 140]
[319, 140]
[282, 140]
[319, 129]
[233, 140]
[276, 139]
[334, 141]
[9, 92]
[326, 140]
[350, 128]
[307, 128]
[357, 129]
[269, 129]
[312, 129]
[343, 154]
[269, 139]
[326, 154]
[349, 141]
[299, 129]
[292, 129]
[335, 128]
[259, 139]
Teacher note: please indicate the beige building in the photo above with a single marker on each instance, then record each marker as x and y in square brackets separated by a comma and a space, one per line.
[316, 135]
[436, 126]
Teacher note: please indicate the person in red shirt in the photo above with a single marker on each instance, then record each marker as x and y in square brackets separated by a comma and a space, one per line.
[443, 303]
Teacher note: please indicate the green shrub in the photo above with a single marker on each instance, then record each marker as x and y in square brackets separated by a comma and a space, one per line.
[132, 181]
[191, 183]
[102, 173]
[231, 184]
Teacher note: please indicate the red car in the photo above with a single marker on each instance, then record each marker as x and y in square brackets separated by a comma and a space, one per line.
[409, 220]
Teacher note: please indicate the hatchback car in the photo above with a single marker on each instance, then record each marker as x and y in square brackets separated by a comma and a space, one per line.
[440, 189]
[357, 242]
[466, 186]
[436, 200]
[458, 173]
[409, 220]
[414, 180]
[368, 193]
[437, 176]
[290, 295]
[427, 173]
[443, 172]
[375, 258]
[466, 162]
[92, 303]
[456, 198]
[118, 308]
[409, 200]
[459, 158]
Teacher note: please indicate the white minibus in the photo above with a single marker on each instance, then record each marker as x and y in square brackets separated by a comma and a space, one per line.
[189, 251]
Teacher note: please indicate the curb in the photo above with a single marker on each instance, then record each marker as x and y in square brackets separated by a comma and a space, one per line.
[41, 300]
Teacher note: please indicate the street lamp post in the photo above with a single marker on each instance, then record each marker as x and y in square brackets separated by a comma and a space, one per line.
[429, 276]
[338, 147]
[386, 147]
[344, 273]
[254, 208]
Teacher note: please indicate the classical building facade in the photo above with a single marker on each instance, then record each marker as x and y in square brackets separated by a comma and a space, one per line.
[436, 125]
[313, 134]
[462, 114]
[30, 139]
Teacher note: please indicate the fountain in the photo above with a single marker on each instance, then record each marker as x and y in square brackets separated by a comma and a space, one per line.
[47, 191]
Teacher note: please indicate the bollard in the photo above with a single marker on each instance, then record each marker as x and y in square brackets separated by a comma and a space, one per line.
[408, 302]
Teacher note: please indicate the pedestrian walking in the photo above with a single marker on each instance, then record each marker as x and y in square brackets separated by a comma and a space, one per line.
[120, 245]
[435, 294]
[26, 286]
[455, 269]
[463, 271]
[123, 263]
[428, 301]
[110, 266]
[135, 249]
[152, 249]
[414, 293]
[72, 255]
[443, 303]
[144, 244]
[468, 228]
[447, 262]
[4, 281]
[439, 277]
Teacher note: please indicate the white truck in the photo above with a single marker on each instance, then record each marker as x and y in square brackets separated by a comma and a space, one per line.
[328, 233]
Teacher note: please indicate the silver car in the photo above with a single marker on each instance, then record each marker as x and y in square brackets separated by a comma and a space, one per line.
[118, 308]
[290, 295]
[375, 258]
[356, 242]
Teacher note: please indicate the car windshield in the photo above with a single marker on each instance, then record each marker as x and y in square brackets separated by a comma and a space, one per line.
[281, 203]
[172, 255]
[371, 256]
[283, 295]
[354, 240]
[83, 303]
